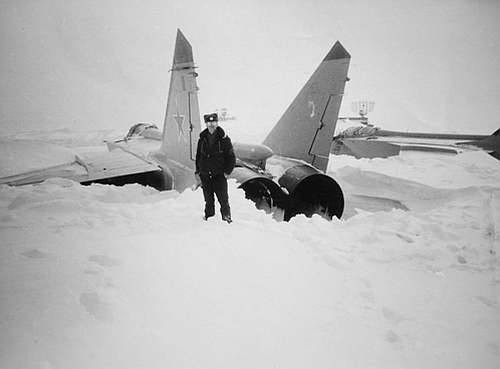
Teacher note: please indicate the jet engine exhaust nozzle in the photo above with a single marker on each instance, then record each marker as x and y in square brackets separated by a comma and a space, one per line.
[311, 192]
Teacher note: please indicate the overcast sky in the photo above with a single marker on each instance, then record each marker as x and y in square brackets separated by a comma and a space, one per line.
[428, 64]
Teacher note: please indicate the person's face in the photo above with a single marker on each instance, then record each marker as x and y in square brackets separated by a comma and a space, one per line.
[212, 126]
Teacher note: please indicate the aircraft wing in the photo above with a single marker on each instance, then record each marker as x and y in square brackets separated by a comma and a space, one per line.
[24, 162]
[116, 163]
[29, 162]
[358, 142]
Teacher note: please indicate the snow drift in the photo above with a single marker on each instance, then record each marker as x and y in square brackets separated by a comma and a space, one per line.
[128, 277]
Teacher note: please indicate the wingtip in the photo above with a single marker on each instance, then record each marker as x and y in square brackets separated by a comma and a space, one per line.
[183, 49]
[337, 52]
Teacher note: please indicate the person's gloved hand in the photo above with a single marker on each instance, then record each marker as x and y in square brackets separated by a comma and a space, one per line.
[197, 183]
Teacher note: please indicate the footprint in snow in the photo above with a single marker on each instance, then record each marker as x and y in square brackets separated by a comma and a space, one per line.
[33, 254]
[95, 306]
[104, 260]
[394, 317]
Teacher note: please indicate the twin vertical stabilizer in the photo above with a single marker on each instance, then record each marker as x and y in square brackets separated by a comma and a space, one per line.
[182, 119]
[306, 129]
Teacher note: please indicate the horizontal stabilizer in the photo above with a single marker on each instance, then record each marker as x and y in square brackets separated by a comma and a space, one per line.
[365, 148]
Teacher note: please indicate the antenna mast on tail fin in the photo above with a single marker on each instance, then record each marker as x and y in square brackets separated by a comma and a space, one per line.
[306, 129]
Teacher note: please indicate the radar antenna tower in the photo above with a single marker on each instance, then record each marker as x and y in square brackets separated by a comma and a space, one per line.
[362, 108]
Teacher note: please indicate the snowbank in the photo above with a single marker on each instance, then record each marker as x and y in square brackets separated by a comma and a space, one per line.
[107, 277]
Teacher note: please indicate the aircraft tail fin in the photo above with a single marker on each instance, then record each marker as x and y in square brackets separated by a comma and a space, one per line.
[306, 129]
[490, 144]
[182, 118]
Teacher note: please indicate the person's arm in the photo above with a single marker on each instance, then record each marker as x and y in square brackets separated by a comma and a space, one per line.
[230, 156]
[197, 162]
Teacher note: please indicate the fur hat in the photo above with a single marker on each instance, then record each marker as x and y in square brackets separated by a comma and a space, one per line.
[211, 117]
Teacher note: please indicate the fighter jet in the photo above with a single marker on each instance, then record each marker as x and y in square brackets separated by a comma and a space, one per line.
[286, 171]
[368, 141]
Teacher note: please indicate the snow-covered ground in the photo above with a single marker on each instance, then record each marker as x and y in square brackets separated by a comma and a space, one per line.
[109, 277]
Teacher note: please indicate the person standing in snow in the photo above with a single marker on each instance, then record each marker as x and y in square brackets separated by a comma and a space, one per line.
[215, 159]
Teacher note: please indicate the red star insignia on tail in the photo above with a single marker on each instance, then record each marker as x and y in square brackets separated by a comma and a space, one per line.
[180, 124]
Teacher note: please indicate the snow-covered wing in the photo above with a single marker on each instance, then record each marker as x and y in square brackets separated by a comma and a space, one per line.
[24, 162]
[116, 163]
[28, 162]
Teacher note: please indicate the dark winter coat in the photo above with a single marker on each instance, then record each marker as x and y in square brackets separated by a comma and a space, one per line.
[216, 159]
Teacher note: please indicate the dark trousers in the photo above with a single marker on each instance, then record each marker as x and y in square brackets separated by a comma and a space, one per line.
[215, 185]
